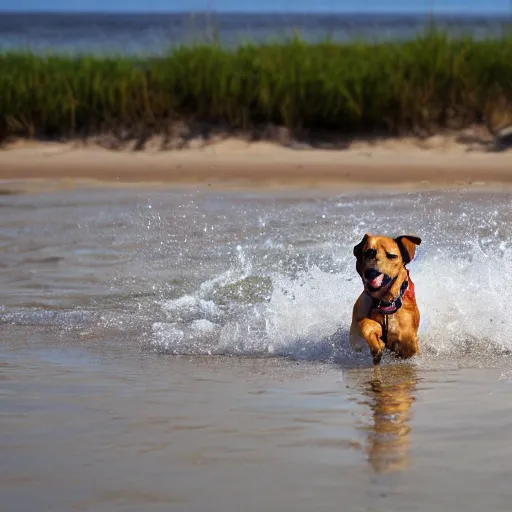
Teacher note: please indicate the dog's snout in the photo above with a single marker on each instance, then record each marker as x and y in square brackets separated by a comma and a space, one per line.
[370, 274]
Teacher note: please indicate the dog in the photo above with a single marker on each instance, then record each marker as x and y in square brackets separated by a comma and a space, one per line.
[386, 314]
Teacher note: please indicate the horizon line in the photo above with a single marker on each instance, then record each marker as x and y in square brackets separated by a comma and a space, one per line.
[430, 12]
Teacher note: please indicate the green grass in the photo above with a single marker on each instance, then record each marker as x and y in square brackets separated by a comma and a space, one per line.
[429, 83]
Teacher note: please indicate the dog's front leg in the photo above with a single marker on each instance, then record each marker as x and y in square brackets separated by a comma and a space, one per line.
[372, 333]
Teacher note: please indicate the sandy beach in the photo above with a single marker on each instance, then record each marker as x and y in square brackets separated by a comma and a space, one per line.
[436, 162]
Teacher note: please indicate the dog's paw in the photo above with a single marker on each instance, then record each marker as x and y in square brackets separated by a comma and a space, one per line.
[377, 348]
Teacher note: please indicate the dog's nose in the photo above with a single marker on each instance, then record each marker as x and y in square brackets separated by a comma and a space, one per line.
[370, 274]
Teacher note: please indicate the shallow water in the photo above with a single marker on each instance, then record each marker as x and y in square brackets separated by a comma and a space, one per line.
[187, 350]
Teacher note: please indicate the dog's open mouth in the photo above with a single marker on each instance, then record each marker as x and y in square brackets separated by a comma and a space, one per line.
[376, 280]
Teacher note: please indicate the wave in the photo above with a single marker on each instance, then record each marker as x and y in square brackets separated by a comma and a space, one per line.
[463, 302]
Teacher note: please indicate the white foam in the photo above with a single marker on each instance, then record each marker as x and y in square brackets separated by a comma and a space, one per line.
[188, 309]
[463, 301]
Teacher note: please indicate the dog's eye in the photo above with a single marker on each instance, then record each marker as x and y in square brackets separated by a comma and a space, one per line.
[391, 256]
[370, 253]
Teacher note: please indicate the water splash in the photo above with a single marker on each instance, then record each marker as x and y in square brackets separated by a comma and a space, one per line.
[260, 275]
[459, 276]
[463, 304]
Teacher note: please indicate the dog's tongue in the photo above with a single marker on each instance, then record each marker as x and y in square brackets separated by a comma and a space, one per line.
[377, 282]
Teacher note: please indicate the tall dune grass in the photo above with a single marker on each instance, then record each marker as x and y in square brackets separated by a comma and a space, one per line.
[428, 83]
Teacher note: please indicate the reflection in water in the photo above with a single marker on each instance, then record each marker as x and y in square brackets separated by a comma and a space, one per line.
[391, 392]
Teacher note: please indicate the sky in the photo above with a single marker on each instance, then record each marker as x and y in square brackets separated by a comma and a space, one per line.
[457, 6]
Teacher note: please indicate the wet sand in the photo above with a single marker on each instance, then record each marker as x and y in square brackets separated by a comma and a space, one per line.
[439, 163]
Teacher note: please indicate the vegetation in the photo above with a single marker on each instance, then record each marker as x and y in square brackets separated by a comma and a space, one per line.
[429, 83]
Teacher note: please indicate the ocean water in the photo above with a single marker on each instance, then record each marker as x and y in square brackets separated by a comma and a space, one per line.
[186, 349]
[155, 33]
[249, 274]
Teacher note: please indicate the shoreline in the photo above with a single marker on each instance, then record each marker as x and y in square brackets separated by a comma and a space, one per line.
[438, 162]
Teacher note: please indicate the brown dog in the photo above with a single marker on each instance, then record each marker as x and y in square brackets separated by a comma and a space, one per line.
[386, 314]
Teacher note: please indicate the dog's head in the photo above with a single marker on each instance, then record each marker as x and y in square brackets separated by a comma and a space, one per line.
[381, 263]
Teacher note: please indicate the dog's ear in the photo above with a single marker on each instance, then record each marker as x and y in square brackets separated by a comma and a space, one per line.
[407, 245]
[358, 249]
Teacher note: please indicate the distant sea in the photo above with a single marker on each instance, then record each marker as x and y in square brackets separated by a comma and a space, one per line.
[155, 33]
